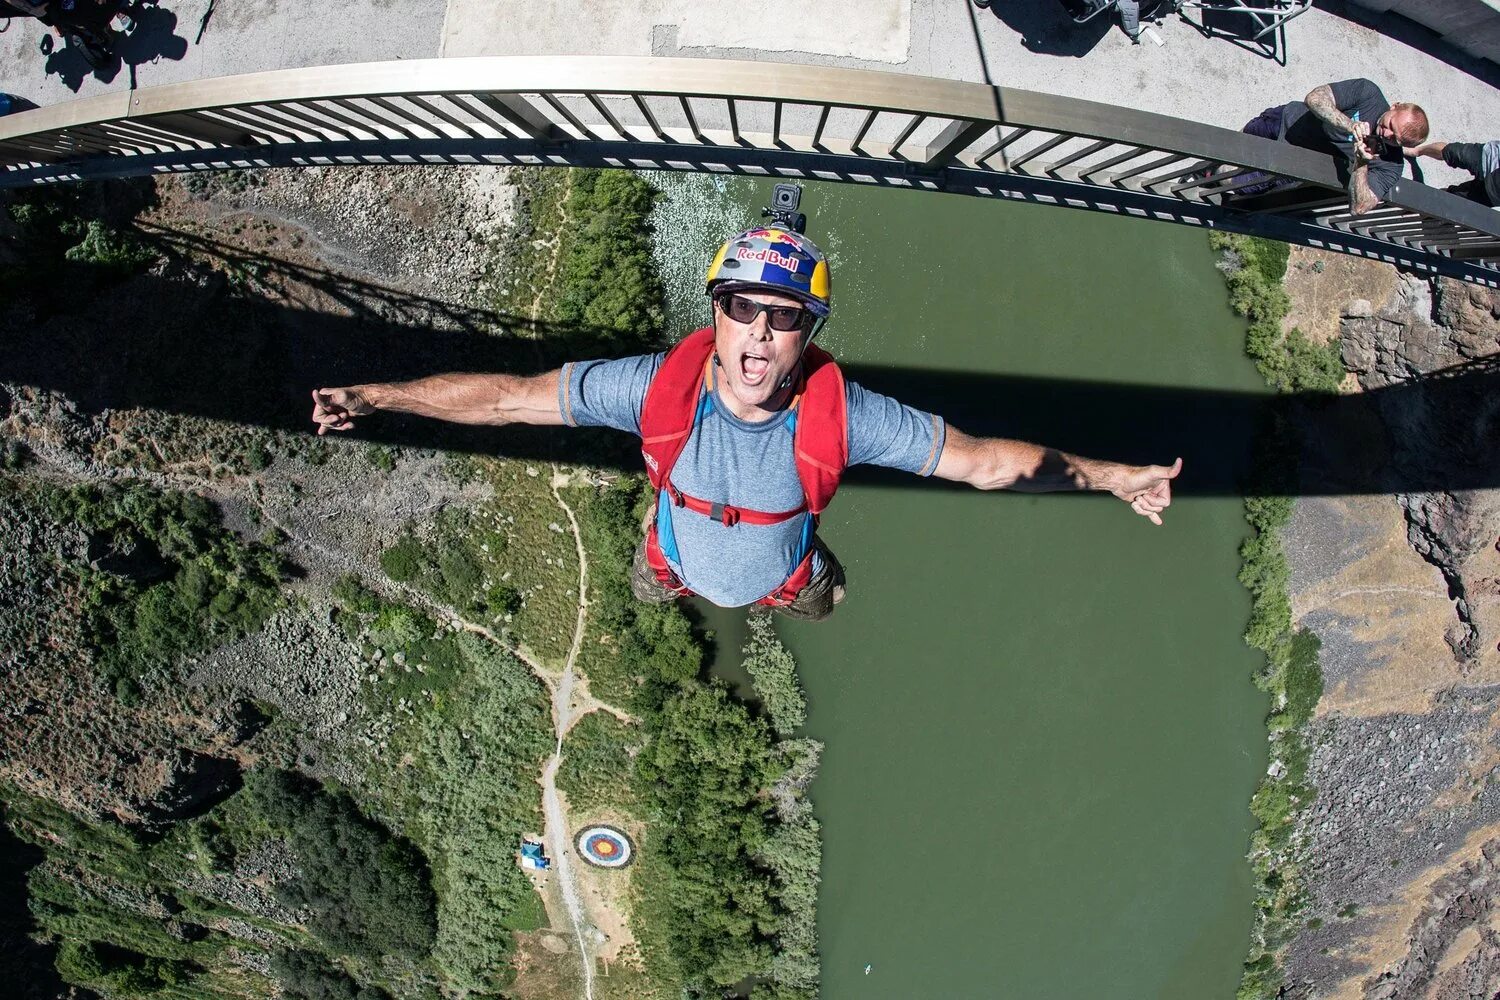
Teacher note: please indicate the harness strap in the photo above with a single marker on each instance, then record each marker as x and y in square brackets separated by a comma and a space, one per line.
[658, 563]
[788, 591]
[728, 515]
[781, 597]
[724, 513]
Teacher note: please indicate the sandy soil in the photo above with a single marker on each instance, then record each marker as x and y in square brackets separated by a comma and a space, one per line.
[1322, 285]
[1381, 615]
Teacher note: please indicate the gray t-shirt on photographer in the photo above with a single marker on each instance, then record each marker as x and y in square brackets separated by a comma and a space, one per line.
[1358, 98]
[747, 465]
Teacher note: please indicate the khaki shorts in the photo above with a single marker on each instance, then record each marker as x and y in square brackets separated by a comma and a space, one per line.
[814, 603]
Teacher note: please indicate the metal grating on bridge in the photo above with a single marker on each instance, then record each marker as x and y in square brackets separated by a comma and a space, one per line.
[757, 118]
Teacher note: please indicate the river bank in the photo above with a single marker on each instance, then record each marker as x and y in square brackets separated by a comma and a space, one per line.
[1383, 869]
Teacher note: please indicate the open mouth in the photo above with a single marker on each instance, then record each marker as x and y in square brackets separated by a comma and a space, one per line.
[754, 367]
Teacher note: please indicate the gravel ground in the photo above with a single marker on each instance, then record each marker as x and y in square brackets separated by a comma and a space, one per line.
[1398, 795]
[429, 230]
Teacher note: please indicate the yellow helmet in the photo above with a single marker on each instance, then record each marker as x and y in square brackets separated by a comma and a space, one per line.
[778, 260]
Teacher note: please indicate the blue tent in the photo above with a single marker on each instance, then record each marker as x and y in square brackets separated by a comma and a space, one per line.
[532, 856]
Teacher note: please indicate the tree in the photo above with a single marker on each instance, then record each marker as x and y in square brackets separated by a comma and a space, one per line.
[305, 976]
[368, 891]
[774, 673]
[705, 770]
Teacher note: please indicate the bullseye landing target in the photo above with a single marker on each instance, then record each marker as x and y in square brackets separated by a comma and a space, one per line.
[605, 847]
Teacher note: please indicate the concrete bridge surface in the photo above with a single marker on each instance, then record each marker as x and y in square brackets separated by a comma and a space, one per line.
[1028, 44]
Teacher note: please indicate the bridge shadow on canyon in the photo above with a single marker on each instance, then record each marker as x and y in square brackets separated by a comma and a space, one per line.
[200, 346]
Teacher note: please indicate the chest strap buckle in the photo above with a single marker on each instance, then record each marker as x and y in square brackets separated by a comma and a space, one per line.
[728, 516]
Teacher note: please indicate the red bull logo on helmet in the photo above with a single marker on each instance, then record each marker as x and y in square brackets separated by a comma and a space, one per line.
[769, 256]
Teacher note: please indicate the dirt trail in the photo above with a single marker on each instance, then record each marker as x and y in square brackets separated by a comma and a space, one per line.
[563, 716]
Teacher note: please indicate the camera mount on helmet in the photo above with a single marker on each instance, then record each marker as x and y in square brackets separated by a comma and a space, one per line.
[783, 208]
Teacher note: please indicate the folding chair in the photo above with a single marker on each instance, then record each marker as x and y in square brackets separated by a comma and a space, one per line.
[1264, 16]
[1082, 11]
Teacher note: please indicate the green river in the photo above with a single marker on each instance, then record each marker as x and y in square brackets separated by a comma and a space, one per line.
[1041, 735]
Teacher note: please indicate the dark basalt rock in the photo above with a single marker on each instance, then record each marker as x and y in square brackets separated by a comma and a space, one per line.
[196, 782]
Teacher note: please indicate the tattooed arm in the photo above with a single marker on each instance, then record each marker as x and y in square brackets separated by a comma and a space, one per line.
[1320, 101]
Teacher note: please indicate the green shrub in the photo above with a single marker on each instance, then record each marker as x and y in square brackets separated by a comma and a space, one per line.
[397, 627]
[706, 768]
[1254, 269]
[462, 576]
[1302, 681]
[381, 458]
[305, 976]
[92, 963]
[368, 892]
[110, 249]
[15, 455]
[218, 587]
[405, 560]
[607, 280]
[62, 236]
[468, 796]
[258, 456]
[654, 642]
[597, 762]
[352, 595]
[774, 673]
[502, 599]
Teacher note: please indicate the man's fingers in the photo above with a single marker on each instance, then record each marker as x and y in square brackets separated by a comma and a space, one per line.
[1146, 511]
[1149, 505]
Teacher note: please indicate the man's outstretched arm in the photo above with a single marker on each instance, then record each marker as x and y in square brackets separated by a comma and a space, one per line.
[463, 398]
[1003, 464]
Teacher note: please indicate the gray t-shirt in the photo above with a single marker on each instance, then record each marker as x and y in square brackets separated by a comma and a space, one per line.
[747, 465]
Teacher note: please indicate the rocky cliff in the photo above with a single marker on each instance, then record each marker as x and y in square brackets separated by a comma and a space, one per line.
[1395, 567]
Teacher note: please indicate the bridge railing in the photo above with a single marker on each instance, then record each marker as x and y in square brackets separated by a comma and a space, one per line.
[733, 116]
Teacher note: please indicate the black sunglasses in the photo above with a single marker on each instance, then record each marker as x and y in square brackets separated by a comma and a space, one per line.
[743, 310]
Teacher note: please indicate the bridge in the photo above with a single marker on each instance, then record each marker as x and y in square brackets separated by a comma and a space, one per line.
[755, 118]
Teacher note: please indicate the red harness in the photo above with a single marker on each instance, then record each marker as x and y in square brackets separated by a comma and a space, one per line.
[820, 445]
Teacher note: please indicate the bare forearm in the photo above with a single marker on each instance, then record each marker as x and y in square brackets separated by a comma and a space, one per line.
[1361, 198]
[468, 398]
[1002, 463]
[1031, 468]
[1321, 103]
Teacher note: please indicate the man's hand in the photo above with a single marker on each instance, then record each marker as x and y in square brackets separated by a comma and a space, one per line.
[1148, 488]
[333, 409]
[1359, 131]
